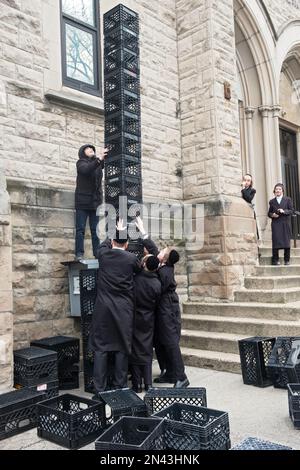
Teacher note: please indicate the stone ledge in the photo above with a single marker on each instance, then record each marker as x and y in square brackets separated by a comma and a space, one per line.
[76, 100]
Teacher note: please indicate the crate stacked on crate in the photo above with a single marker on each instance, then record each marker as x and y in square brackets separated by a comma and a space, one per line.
[122, 402]
[36, 368]
[133, 433]
[253, 443]
[156, 399]
[67, 349]
[189, 427]
[123, 177]
[18, 411]
[284, 361]
[88, 293]
[294, 403]
[254, 354]
[71, 421]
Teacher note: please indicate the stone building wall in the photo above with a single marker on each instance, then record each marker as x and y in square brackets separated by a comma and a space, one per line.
[282, 11]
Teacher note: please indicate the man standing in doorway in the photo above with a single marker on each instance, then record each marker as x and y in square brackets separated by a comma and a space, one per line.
[88, 196]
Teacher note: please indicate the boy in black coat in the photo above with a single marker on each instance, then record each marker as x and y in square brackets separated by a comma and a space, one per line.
[280, 211]
[112, 323]
[168, 313]
[88, 196]
[147, 295]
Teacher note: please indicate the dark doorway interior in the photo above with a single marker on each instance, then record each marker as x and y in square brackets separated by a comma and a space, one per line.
[289, 162]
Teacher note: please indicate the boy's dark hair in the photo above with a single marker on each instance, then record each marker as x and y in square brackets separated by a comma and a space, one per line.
[173, 257]
[152, 263]
[279, 185]
[121, 239]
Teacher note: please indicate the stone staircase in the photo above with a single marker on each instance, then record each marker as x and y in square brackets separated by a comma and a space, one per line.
[268, 305]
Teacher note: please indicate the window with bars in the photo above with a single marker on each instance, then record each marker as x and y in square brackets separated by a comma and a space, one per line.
[80, 26]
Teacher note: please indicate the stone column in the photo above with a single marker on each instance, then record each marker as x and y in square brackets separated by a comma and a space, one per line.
[6, 316]
[269, 169]
[249, 112]
[211, 160]
[277, 156]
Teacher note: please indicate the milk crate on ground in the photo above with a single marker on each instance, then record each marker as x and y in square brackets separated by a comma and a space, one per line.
[294, 403]
[18, 411]
[50, 389]
[157, 399]
[253, 443]
[132, 433]
[67, 349]
[33, 366]
[189, 427]
[71, 421]
[255, 353]
[284, 362]
[122, 402]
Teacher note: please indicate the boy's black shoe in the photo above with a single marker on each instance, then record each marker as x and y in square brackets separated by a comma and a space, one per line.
[182, 383]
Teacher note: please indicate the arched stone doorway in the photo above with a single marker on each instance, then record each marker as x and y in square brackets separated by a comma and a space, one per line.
[259, 110]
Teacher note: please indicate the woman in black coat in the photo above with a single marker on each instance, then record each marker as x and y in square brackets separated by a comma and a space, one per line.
[280, 211]
[147, 295]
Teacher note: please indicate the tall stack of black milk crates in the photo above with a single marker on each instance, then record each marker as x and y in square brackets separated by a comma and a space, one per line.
[122, 112]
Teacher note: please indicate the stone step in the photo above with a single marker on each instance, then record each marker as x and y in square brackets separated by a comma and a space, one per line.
[292, 270]
[267, 251]
[241, 326]
[277, 296]
[211, 360]
[269, 311]
[276, 282]
[266, 260]
[206, 340]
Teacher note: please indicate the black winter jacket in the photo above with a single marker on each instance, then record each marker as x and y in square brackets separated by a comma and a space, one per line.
[88, 193]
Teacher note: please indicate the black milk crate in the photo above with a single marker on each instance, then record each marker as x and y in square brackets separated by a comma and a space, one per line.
[67, 349]
[88, 354]
[156, 399]
[121, 16]
[131, 433]
[88, 291]
[121, 57]
[120, 81]
[122, 402]
[125, 122]
[254, 354]
[50, 389]
[253, 443]
[71, 421]
[120, 103]
[126, 186]
[121, 39]
[190, 427]
[294, 403]
[119, 166]
[33, 366]
[18, 411]
[284, 362]
[69, 378]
